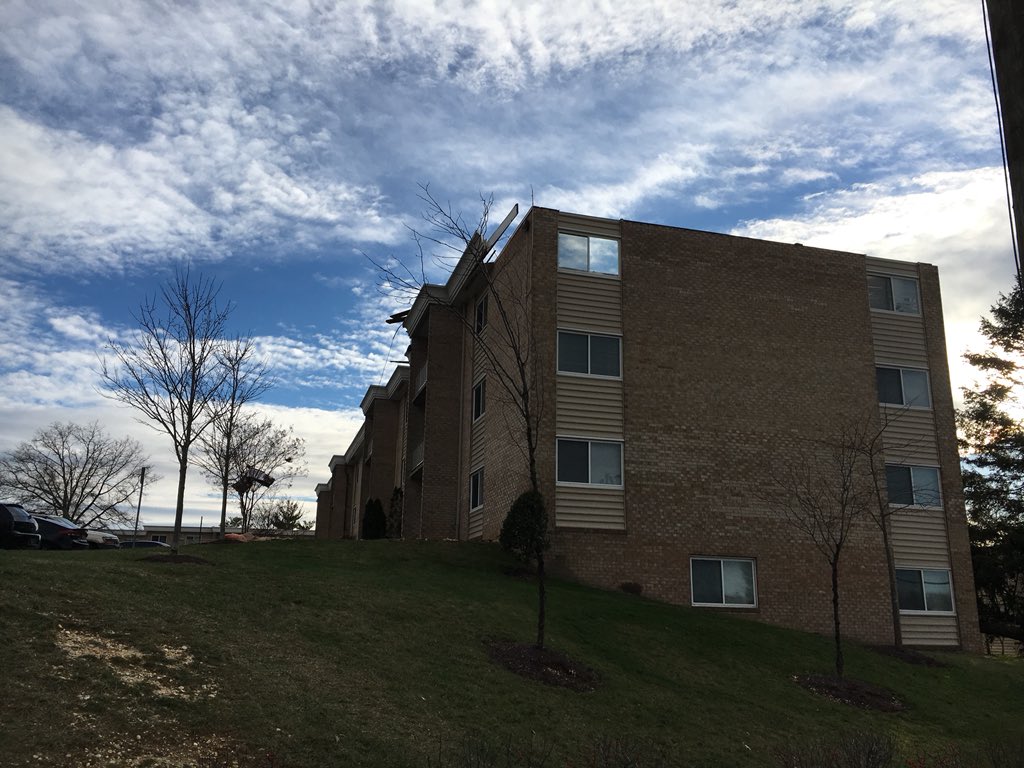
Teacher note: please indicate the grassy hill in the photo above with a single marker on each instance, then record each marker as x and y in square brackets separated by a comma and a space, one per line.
[313, 653]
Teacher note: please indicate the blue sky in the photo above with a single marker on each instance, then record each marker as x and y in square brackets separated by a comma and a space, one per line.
[272, 145]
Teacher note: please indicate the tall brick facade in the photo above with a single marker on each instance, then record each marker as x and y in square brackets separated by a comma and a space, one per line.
[734, 355]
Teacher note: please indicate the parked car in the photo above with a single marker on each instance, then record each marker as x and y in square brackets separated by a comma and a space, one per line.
[17, 528]
[102, 540]
[61, 533]
[143, 543]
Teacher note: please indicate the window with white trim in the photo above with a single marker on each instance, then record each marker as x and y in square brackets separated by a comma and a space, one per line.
[480, 321]
[588, 253]
[589, 462]
[723, 581]
[894, 294]
[903, 386]
[590, 354]
[924, 589]
[476, 489]
[479, 399]
[913, 486]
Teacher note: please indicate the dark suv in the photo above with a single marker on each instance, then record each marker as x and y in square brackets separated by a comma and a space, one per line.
[61, 533]
[17, 528]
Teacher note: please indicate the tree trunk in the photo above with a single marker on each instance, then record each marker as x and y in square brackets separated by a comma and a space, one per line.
[541, 600]
[179, 507]
[835, 617]
[894, 599]
[225, 478]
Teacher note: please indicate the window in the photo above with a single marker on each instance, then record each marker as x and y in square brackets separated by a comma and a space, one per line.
[588, 253]
[589, 353]
[721, 581]
[920, 589]
[476, 489]
[903, 386]
[594, 462]
[479, 399]
[158, 537]
[896, 294]
[481, 314]
[918, 486]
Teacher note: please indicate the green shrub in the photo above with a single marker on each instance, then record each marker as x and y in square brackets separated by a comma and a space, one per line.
[525, 530]
[374, 521]
[395, 509]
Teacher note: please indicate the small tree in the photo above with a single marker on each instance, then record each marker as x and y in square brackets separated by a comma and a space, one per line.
[76, 471]
[395, 509]
[374, 522]
[525, 534]
[823, 492]
[170, 372]
[278, 516]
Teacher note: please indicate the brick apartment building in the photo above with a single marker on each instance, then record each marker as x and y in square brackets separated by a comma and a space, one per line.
[670, 370]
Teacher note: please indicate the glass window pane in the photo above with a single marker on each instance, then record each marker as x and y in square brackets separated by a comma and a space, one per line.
[706, 579]
[572, 352]
[898, 481]
[879, 292]
[479, 399]
[476, 489]
[738, 579]
[938, 595]
[908, 589]
[904, 295]
[572, 251]
[926, 487]
[604, 355]
[915, 389]
[606, 463]
[604, 256]
[573, 461]
[890, 390]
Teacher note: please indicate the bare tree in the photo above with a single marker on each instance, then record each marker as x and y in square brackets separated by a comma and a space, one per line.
[247, 379]
[823, 491]
[508, 342]
[171, 371]
[76, 471]
[262, 455]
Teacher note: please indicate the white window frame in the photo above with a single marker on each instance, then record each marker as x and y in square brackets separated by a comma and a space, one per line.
[721, 575]
[903, 388]
[924, 595]
[590, 461]
[890, 278]
[477, 476]
[589, 335]
[480, 314]
[588, 271]
[481, 388]
[913, 486]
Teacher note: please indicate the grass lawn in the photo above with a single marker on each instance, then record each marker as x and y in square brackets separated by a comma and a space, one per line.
[286, 654]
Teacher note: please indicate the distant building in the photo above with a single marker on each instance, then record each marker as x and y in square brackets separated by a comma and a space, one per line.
[669, 365]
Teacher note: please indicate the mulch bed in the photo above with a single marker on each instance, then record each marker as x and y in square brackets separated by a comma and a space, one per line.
[909, 656]
[182, 559]
[852, 692]
[543, 664]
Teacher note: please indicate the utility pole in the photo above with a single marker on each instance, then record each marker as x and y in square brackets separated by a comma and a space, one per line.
[138, 509]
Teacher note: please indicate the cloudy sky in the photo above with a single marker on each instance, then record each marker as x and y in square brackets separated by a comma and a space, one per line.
[274, 145]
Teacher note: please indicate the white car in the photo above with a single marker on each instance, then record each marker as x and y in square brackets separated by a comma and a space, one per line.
[102, 540]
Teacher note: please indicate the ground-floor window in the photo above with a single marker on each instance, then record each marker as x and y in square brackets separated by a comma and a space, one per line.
[723, 581]
[924, 589]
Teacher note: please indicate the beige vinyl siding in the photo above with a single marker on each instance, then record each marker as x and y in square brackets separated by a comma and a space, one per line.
[588, 302]
[919, 538]
[890, 267]
[921, 629]
[589, 225]
[476, 523]
[476, 442]
[899, 339]
[590, 507]
[589, 406]
[910, 436]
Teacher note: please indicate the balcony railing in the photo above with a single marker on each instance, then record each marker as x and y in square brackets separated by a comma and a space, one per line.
[421, 381]
[416, 457]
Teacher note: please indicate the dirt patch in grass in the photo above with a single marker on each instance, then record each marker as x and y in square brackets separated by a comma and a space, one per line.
[909, 656]
[180, 559]
[542, 664]
[853, 692]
